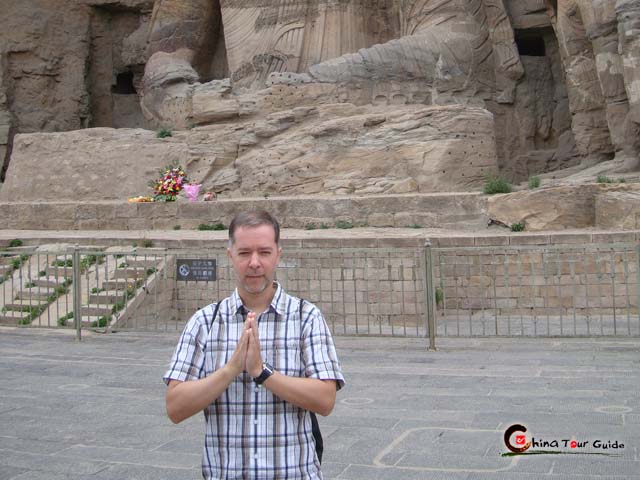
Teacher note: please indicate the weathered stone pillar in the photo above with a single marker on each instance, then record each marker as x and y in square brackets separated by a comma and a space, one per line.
[586, 100]
[182, 47]
[601, 25]
[628, 15]
[187, 28]
[5, 117]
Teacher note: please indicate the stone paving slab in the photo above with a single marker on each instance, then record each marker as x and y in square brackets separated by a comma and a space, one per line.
[95, 410]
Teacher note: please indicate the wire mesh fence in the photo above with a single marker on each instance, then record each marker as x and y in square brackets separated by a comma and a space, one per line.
[570, 290]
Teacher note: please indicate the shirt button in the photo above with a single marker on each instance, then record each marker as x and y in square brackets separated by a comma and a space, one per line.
[255, 456]
[255, 421]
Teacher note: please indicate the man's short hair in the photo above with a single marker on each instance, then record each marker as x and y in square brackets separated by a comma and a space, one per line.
[253, 218]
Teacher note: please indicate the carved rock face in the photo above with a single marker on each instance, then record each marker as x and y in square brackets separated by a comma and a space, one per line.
[549, 83]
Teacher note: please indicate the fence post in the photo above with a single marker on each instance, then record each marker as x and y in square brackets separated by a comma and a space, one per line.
[638, 280]
[429, 295]
[77, 293]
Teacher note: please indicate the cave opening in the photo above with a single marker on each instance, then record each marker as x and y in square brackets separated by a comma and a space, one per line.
[530, 43]
[124, 84]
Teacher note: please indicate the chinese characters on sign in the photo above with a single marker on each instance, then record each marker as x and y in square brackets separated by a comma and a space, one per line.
[196, 270]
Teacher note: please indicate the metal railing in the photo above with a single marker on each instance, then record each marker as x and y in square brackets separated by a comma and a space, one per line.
[562, 290]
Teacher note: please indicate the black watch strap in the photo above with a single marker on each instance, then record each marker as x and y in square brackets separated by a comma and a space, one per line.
[267, 371]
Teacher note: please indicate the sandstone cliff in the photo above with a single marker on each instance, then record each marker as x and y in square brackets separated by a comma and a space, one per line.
[318, 96]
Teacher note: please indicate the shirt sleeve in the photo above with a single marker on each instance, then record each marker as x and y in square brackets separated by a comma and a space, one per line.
[318, 350]
[187, 362]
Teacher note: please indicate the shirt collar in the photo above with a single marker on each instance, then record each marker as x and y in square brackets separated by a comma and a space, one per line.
[278, 302]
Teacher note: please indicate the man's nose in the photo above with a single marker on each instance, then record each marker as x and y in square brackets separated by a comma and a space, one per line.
[254, 260]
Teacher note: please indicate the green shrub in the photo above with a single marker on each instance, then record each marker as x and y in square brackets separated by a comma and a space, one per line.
[324, 226]
[310, 226]
[517, 227]
[177, 227]
[101, 322]
[62, 263]
[494, 185]
[604, 179]
[163, 133]
[439, 296]
[118, 306]
[415, 225]
[147, 243]
[208, 226]
[62, 321]
[344, 224]
[16, 242]
[89, 260]
[534, 182]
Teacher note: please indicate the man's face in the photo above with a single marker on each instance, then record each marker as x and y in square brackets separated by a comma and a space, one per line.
[254, 256]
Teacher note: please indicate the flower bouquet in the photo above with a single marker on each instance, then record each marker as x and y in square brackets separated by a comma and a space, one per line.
[171, 182]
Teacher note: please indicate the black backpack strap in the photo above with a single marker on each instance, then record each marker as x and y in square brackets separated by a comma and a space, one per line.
[315, 427]
[215, 314]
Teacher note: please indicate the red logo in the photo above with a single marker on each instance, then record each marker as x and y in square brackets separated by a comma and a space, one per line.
[521, 444]
[573, 444]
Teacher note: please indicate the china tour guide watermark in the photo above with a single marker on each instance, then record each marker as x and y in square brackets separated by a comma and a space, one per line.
[519, 442]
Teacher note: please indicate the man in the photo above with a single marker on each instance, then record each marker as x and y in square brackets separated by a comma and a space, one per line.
[257, 369]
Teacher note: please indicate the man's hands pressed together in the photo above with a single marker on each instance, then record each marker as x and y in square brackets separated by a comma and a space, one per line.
[185, 399]
[253, 363]
[247, 356]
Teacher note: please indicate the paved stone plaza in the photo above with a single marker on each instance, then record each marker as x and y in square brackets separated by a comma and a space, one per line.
[95, 409]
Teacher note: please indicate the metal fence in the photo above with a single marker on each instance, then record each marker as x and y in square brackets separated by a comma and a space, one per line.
[360, 291]
[569, 290]
[565, 290]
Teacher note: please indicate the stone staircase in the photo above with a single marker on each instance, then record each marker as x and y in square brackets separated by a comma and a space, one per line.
[110, 297]
[16, 307]
[33, 287]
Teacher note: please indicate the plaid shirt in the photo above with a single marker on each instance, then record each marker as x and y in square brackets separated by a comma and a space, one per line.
[251, 433]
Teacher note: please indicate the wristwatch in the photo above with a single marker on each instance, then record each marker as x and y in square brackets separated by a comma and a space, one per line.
[267, 371]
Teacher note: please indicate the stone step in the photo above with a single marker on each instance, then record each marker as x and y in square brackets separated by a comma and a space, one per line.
[95, 310]
[108, 297]
[96, 321]
[142, 261]
[46, 282]
[8, 260]
[24, 305]
[35, 293]
[12, 317]
[5, 269]
[117, 284]
[59, 272]
[130, 272]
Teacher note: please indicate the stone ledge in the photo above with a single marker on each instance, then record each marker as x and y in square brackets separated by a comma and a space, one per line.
[332, 238]
[460, 211]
